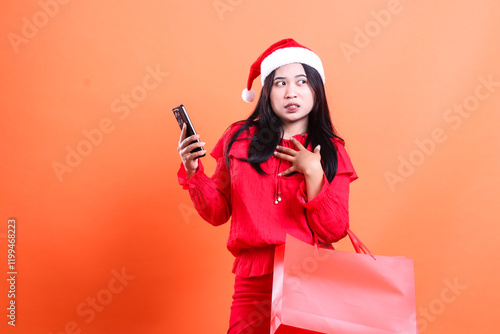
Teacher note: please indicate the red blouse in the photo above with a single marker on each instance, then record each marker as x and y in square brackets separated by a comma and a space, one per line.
[258, 224]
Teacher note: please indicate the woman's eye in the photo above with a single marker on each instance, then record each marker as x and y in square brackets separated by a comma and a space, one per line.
[302, 82]
[280, 83]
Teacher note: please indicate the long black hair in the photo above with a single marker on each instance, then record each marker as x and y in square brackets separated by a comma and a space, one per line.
[270, 130]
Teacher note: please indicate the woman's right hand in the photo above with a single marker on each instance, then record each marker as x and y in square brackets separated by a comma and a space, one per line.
[185, 147]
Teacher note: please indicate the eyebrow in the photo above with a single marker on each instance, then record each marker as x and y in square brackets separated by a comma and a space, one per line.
[297, 76]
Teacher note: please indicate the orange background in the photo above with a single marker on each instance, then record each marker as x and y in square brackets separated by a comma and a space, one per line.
[428, 186]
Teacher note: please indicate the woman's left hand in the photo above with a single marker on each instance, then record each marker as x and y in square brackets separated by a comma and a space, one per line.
[302, 160]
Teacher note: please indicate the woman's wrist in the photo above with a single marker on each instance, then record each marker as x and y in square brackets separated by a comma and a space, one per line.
[314, 171]
[314, 177]
[190, 172]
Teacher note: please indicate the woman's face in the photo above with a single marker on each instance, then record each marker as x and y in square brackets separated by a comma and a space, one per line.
[292, 98]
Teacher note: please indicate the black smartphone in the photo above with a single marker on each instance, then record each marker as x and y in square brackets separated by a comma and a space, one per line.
[182, 117]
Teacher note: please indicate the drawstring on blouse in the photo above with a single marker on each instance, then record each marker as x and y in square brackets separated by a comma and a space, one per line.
[277, 180]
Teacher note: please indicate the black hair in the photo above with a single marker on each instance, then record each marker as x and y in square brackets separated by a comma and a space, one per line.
[269, 128]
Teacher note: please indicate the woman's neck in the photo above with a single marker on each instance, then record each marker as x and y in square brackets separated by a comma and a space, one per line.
[291, 130]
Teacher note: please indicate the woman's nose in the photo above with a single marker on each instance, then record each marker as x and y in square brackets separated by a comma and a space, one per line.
[290, 92]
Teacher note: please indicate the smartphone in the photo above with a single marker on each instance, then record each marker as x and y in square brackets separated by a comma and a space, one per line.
[182, 117]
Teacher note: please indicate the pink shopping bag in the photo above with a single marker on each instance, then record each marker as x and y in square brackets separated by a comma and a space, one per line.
[327, 291]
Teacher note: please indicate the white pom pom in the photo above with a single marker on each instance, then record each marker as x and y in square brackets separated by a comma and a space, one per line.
[248, 95]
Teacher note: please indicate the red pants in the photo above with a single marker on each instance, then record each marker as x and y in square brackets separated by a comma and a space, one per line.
[251, 308]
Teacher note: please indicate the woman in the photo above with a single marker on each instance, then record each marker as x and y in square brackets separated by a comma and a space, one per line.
[281, 171]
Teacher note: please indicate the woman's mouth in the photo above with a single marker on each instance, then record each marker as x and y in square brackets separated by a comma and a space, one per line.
[292, 107]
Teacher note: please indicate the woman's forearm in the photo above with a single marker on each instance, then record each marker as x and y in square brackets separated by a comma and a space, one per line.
[314, 181]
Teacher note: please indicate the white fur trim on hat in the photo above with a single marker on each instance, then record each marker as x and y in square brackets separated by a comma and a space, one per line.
[290, 55]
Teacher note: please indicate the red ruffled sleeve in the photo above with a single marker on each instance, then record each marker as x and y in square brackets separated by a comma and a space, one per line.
[211, 196]
[220, 148]
[328, 212]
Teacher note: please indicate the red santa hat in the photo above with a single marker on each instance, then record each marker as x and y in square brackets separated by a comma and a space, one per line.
[281, 53]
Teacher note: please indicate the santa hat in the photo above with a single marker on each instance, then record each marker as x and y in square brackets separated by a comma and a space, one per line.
[281, 53]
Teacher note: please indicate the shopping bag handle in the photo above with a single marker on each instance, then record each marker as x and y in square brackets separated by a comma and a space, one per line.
[358, 244]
